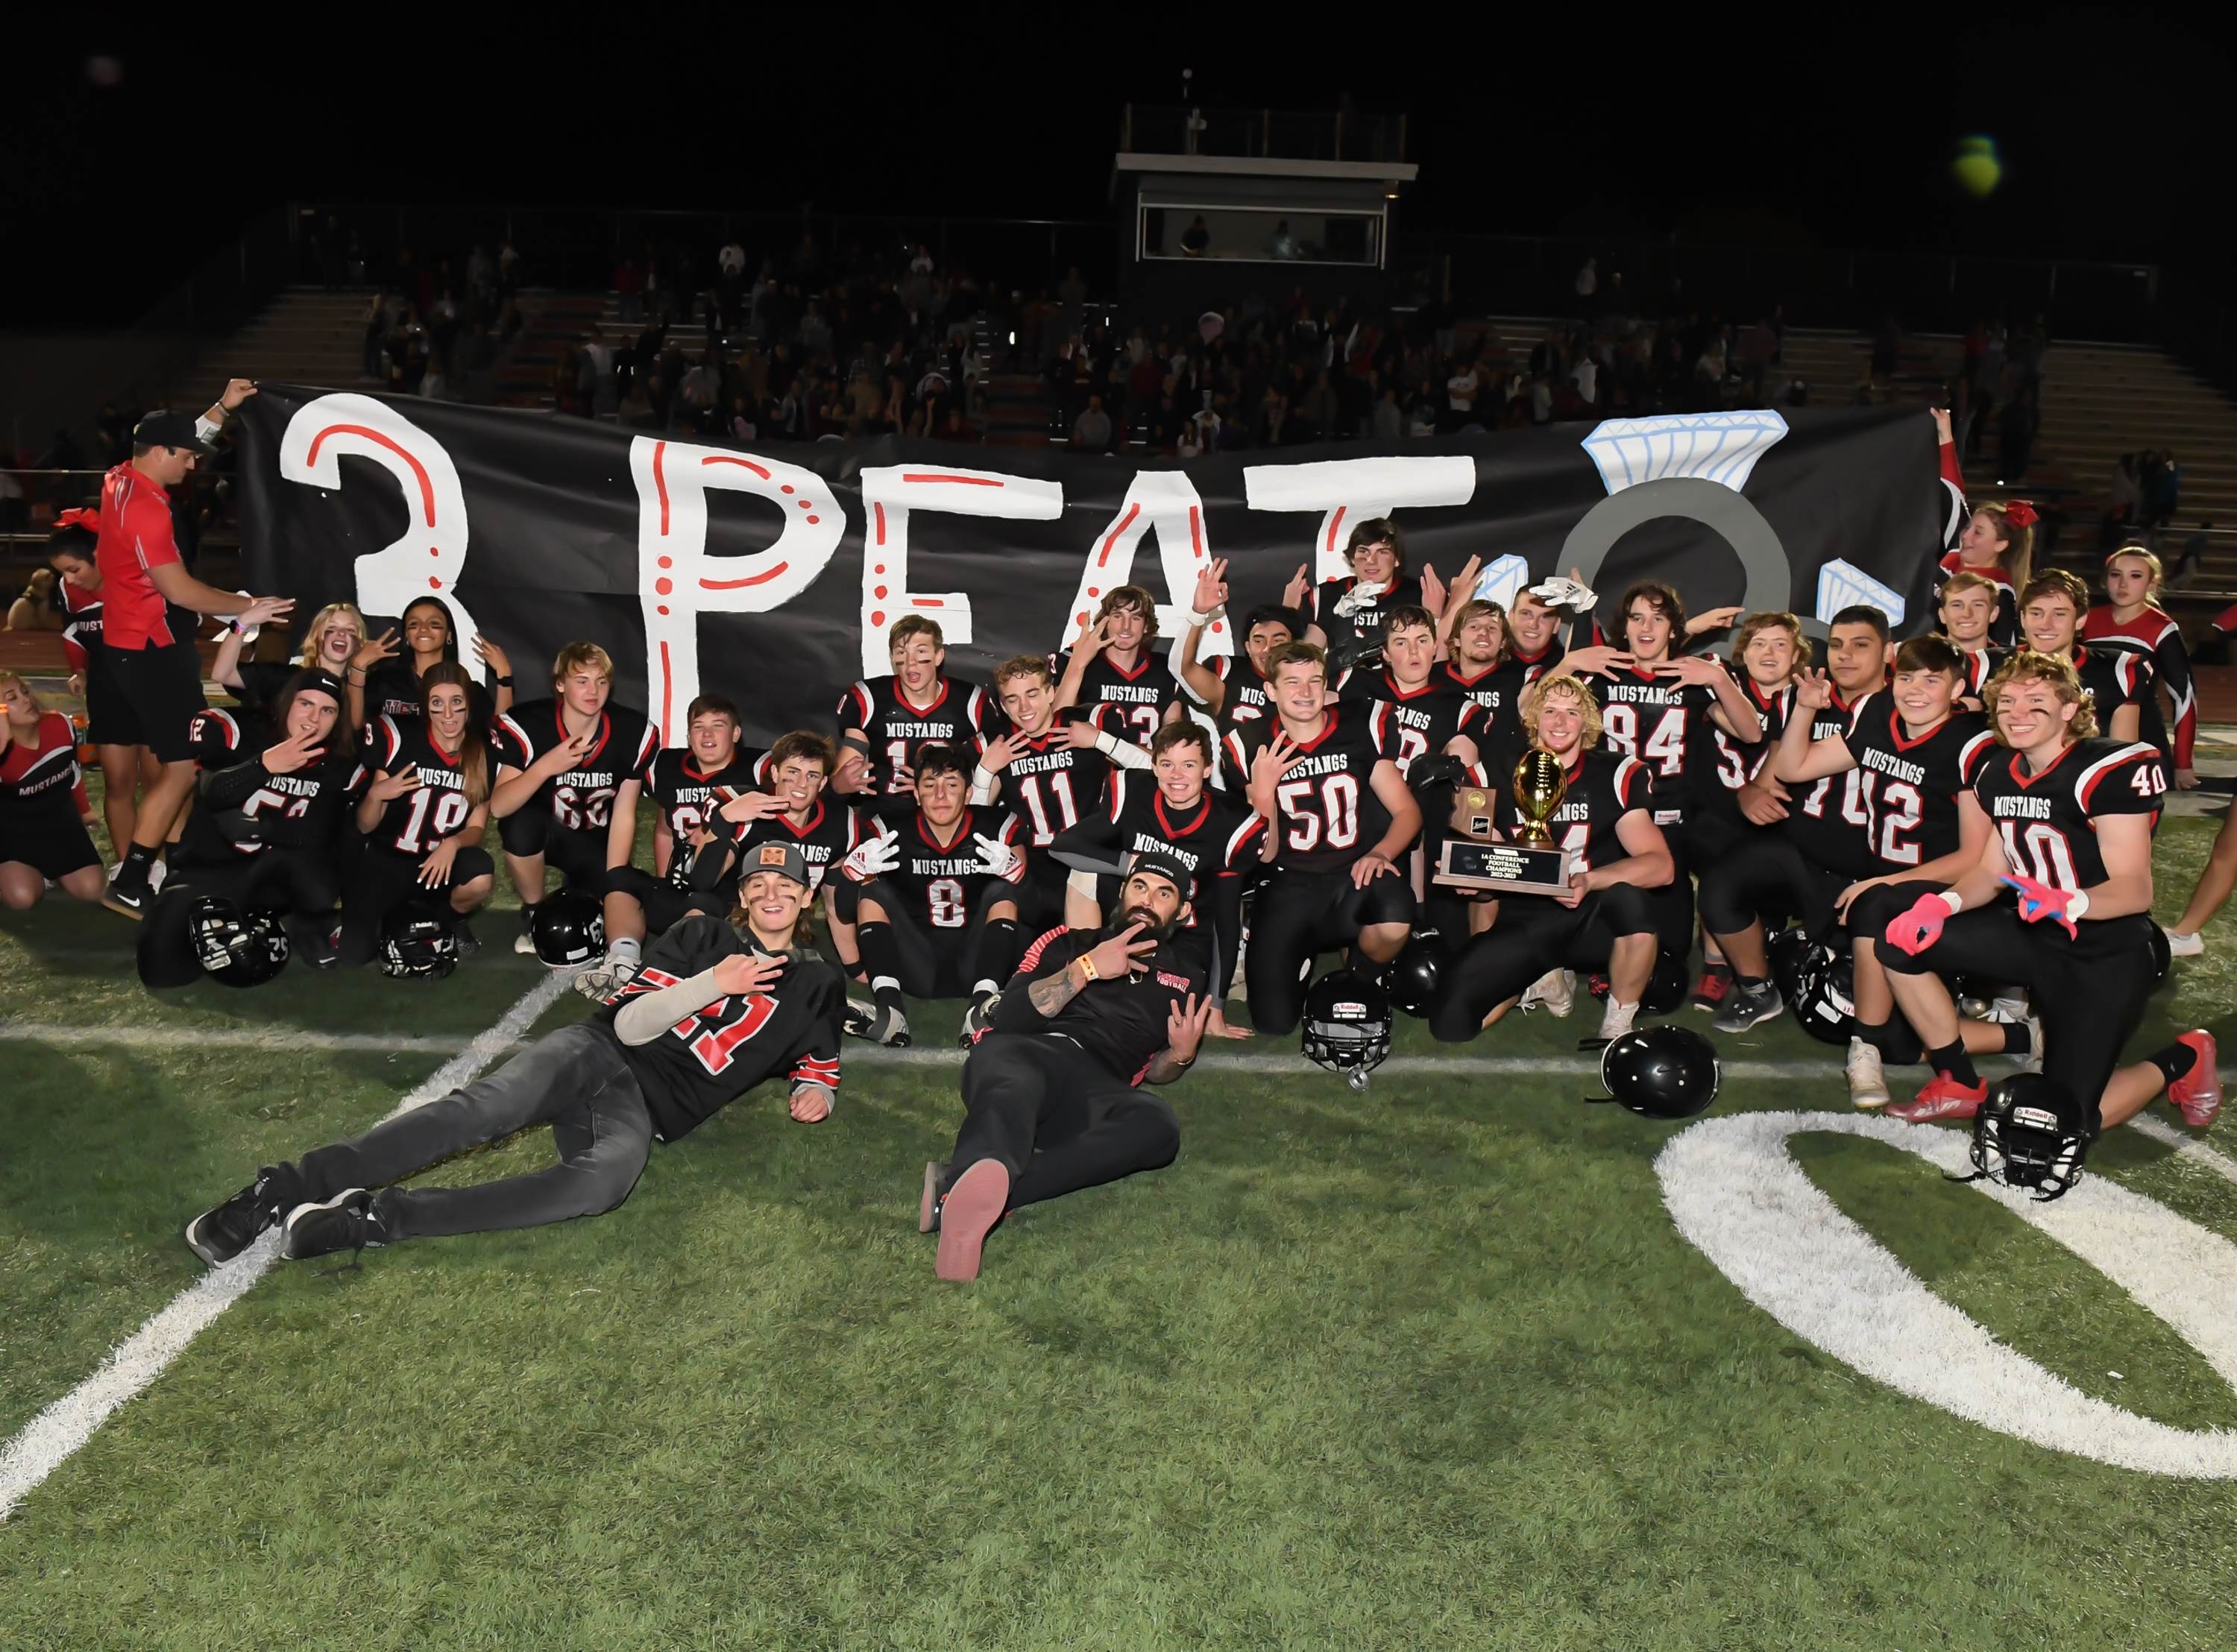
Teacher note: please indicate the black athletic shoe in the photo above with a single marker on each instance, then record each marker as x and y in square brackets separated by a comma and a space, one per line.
[346, 1222]
[132, 900]
[469, 944]
[1745, 1005]
[219, 1235]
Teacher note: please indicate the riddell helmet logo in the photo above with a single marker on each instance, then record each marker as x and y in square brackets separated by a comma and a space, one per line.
[1349, 1010]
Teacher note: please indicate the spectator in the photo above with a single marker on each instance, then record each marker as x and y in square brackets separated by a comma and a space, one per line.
[1461, 393]
[1587, 285]
[39, 608]
[1196, 239]
[2193, 552]
[1091, 431]
[1281, 244]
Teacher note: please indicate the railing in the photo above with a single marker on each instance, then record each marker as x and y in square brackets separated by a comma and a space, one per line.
[1289, 134]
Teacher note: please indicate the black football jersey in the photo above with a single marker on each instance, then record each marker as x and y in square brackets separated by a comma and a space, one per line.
[1496, 693]
[1352, 634]
[942, 884]
[1656, 719]
[1331, 815]
[2047, 820]
[581, 798]
[1830, 820]
[2004, 628]
[1721, 763]
[418, 821]
[392, 689]
[2112, 678]
[1423, 722]
[1915, 797]
[1130, 705]
[687, 799]
[1978, 668]
[1248, 696]
[1120, 1022]
[1604, 786]
[1051, 784]
[244, 809]
[961, 714]
[825, 839]
[716, 1053]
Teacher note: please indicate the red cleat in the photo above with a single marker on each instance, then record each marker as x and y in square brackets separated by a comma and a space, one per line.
[974, 1203]
[2198, 1092]
[1942, 1097]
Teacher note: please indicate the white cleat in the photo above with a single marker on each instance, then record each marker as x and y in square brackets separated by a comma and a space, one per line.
[2032, 1061]
[1616, 1019]
[1554, 991]
[1867, 1078]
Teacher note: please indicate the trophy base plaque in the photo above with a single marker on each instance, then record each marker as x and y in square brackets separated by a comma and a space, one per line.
[1512, 868]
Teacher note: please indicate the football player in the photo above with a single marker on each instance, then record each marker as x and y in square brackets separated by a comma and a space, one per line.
[423, 814]
[890, 718]
[2130, 619]
[2117, 681]
[689, 784]
[271, 806]
[1339, 822]
[938, 912]
[1051, 1096]
[385, 681]
[1477, 652]
[1824, 841]
[1418, 709]
[1050, 770]
[1604, 921]
[1231, 688]
[1967, 608]
[715, 1011]
[1172, 813]
[1343, 618]
[43, 812]
[2060, 901]
[1112, 678]
[801, 808]
[568, 772]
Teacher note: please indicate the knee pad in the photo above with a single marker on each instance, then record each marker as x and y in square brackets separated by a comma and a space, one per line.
[522, 831]
[1625, 908]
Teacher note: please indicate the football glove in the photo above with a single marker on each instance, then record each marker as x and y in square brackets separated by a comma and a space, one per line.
[2039, 901]
[1561, 591]
[873, 858]
[999, 858]
[1921, 926]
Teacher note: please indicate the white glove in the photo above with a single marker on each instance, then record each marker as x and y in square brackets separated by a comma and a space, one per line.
[999, 858]
[1357, 597]
[1561, 591]
[872, 858]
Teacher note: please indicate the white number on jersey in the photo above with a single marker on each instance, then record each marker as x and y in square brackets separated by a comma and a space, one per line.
[1058, 813]
[944, 901]
[1900, 810]
[1337, 814]
[580, 810]
[2046, 852]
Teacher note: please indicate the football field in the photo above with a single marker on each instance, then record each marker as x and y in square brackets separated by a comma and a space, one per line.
[1458, 1361]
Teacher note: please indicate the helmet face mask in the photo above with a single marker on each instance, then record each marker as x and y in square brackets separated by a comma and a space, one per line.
[2031, 1133]
[569, 929]
[418, 939]
[1346, 1027]
[240, 949]
[1818, 984]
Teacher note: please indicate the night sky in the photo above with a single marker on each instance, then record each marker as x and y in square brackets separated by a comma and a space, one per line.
[2112, 126]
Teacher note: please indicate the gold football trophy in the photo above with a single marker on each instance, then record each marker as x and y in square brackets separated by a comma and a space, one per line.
[1532, 864]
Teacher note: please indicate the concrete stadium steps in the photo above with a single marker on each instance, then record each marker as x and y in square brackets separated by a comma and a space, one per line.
[305, 336]
[557, 326]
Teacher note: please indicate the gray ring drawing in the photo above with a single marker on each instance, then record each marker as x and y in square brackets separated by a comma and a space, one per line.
[1763, 559]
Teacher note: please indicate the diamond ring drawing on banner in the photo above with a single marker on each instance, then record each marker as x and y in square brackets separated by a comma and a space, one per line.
[430, 556]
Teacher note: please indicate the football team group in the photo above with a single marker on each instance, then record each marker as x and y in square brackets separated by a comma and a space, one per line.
[1927, 850]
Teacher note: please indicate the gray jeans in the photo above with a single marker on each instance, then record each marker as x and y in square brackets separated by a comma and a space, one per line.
[575, 1080]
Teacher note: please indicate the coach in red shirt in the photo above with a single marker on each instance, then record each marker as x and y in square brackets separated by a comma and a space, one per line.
[155, 673]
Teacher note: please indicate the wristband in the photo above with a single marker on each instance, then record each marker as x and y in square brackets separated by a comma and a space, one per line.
[1086, 966]
[1106, 742]
[504, 682]
[1952, 899]
[356, 673]
[1206, 618]
[854, 743]
[2077, 904]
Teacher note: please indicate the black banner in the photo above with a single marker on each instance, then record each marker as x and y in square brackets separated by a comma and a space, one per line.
[772, 573]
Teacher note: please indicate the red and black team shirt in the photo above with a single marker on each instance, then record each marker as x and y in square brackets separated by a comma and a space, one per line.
[2158, 641]
[581, 798]
[1052, 785]
[688, 799]
[1408, 722]
[1655, 719]
[1604, 786]
[1248, 697]
[417, 822]
[2047, 821]
[959, 713]
[826, 838]
[81, 627]
[1722, 763]
[1329, 815]
[136, 536]
[1830, 819]
[1913, 781]
[941, 884]
[723, 1049]
[1120, 1022]
[1130, 704]
[40, 783]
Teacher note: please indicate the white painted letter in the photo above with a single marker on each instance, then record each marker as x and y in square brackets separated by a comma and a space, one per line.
[1346, 491]
[1167, 502]
[889, 493]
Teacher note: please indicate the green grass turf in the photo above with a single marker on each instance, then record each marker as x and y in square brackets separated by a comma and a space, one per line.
[1424, 1367]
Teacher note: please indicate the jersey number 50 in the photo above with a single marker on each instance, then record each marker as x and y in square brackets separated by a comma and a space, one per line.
[1334, 824]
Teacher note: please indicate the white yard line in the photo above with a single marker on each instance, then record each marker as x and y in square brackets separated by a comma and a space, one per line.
[48, 1440]
[2191, 1147]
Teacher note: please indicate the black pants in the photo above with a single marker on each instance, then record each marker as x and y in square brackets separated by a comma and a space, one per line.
[1773, 877]
[303, 883]
[579, 853]
[2088, 993]
[1298, 915]
[382, 880]
[577, 1080]
[943, 962]
[1534, 934]
[665, 905]
[1056, 1118]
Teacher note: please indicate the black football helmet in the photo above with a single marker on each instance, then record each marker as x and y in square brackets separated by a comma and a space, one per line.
[420, 938]
[1818, 984]
[569, 929]
[2032, 1133]
[240, 948]
[1347, 1024]
[1412, 977]
[1662, 1071]
[1666, 988]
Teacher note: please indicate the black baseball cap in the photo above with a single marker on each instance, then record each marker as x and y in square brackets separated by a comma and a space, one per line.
[164, 428]
[783, 859]
[1167, 867]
